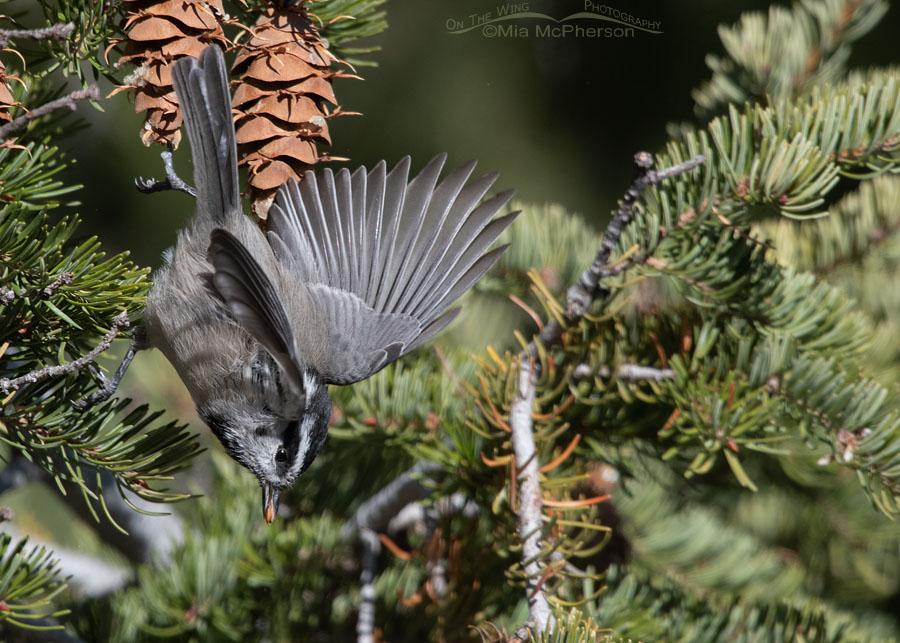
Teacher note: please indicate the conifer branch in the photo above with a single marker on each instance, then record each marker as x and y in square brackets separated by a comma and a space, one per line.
[70, 101]
[89, 575]
[365, 625]
[377, 511]
[631, 372]
[59, 31]
[580, 297]
[8, 295]
[120, 322]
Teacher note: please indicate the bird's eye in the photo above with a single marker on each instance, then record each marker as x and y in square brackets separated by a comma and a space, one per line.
[281, 455]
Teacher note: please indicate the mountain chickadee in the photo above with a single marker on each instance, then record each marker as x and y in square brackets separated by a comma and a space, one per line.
[355, 271]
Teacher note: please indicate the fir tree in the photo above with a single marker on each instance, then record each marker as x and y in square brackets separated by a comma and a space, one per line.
[691, 435]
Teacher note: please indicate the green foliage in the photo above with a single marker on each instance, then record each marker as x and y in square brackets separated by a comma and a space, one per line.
[856, 249]
[346, 21]
[786, 52]
[27, 177]
[768, 362]
[59, 295]
[237, 579]
[94, 24]
[28, 583]
[755, 468]
[638, 607]
[62, 297]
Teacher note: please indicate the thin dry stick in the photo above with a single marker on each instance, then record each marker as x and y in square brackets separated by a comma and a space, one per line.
[59, 31]
[579, 299]
[630, 372]
[8, 295]
[530, 505]
[365, 625]
[377, 511]
[120, 322]
[71, 101]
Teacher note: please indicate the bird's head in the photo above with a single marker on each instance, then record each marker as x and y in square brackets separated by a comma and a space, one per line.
[277, 450]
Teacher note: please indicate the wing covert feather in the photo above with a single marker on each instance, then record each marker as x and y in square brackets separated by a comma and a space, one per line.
[254, 303]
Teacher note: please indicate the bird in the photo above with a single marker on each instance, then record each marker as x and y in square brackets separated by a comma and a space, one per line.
[354, 271]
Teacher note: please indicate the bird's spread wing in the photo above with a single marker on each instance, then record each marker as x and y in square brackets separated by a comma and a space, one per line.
[360, 340]
[384, 256]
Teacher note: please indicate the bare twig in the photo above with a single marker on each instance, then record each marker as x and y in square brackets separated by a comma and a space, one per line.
[587, 290]
[633, 372]
[172, 181]
[530, 505]
[120, 322]
[394, 508]
[582, 294]
[8, 295]
[437, 574]
[71, 101]
[419, 518]
[110, 384]
[638, 372]
[59, 31]
[63, 279]
[521, 635]
[579, 297]
[365, 625]
[377, 511]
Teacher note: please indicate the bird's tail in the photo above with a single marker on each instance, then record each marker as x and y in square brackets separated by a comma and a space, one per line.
[202, 89]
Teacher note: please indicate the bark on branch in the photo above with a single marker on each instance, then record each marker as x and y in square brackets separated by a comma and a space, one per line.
[70, 101]
[120, 322]
[579, 297]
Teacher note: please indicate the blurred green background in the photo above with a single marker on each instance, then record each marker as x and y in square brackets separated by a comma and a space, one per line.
[559, 118]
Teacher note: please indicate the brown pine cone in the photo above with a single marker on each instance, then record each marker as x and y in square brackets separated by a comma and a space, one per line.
[157, 33]
[7, 101]
[285, 80]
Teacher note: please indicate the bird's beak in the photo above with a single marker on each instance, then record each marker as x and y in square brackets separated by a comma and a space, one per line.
[270, 502]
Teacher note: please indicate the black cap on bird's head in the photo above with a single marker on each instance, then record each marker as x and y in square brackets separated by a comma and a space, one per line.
[295, 450]
[276, 450]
